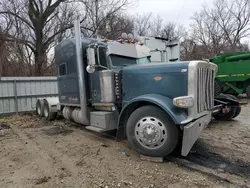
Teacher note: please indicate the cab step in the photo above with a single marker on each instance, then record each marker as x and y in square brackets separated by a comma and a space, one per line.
[95, 129]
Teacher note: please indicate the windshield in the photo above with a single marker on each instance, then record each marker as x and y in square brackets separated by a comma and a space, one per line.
[126, 61]
[143, 60]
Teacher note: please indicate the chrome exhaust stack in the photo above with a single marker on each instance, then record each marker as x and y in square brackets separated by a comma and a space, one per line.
[83, 118]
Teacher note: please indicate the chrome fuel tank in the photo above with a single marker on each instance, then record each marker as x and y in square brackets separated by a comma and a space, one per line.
[103, 87]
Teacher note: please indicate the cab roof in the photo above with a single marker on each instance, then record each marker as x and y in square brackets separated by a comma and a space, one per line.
[134, 50]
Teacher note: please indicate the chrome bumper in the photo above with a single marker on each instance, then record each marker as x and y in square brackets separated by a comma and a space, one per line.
[192, 131]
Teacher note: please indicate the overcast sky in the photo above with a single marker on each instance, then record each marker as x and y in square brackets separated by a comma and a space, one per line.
[178, 11]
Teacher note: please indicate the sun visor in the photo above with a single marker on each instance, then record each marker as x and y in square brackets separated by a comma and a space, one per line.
[129, 50]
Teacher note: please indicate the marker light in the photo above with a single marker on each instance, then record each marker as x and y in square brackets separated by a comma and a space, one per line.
[130, 36]
[124, 36]
[121, 41]
[183, 102]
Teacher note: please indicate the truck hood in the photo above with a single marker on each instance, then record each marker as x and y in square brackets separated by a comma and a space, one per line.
[175, 67]
[167, 79]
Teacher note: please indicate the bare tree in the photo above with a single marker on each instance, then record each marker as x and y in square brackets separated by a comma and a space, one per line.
[143, 24]
[156, 28]
[150, 25]
[233, 17]
[4, 53]
[206, 32]
[222, 27]
[99, 13]
[116, 24]
[36, 25]
[172, 31]
[188, 48]
[11, 53]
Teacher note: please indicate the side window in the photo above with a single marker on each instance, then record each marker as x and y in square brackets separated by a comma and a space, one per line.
[62, 69]
[103, 57]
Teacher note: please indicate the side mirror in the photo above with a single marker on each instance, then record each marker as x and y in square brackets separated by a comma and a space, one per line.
[90, 69]
[91, 60]
[91, 56]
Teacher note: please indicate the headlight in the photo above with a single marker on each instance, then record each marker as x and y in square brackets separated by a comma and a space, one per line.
[183, 102]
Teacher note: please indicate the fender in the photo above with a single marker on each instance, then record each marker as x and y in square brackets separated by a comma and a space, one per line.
[165, 103]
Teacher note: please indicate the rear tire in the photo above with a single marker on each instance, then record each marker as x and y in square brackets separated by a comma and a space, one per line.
[238, 111]
[150, 132]
[233, 110]
[50, 116]
[238, 108]
[248, 92]
[225, 116]
[39, 108]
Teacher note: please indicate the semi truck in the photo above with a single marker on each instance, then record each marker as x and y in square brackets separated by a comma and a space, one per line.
[229, 82]
[113, 86]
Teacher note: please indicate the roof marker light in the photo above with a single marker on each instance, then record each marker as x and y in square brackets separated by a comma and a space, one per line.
[124, 36]
[130, 36]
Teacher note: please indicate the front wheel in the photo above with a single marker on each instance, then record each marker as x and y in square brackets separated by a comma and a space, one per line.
[150, 131]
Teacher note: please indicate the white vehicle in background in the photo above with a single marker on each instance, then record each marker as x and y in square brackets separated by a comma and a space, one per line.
[161, 49]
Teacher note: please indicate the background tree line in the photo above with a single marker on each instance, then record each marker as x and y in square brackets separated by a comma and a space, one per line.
[29, 29]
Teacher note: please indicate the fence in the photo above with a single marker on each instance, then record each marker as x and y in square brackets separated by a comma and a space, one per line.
[19, 94]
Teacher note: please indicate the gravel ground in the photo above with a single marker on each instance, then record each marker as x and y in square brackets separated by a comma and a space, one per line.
[37, 153]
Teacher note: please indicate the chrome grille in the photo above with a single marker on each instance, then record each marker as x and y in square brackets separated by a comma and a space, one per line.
[205, 89]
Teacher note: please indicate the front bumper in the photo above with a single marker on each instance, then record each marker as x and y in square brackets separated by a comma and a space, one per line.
[192, 131]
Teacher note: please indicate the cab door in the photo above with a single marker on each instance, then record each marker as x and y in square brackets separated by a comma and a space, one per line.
[96, 77]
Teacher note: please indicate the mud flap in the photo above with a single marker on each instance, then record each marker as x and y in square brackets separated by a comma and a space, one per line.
[191, 133]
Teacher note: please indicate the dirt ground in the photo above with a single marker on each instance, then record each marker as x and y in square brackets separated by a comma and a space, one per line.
[37, 153]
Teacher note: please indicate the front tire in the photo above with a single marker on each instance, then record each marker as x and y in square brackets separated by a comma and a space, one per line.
[151, 132]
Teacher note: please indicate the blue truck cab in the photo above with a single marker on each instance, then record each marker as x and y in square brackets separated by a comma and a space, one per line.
[112, 85]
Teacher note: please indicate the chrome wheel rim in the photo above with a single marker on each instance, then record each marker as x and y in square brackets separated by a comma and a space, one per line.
[150, 132]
